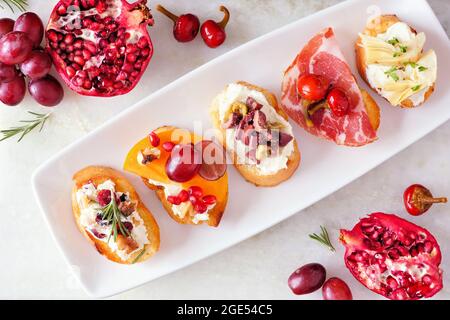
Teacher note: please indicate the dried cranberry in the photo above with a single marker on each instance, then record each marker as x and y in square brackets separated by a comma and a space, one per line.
[104, 197]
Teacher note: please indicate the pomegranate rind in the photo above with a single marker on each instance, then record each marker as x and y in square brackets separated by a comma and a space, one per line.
[374, 274]
[136, 14]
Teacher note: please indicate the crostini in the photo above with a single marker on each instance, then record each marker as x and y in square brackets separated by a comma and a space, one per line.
[109, 213]
[320, 93]
[256, 133]
[390, 58]
[188, 174]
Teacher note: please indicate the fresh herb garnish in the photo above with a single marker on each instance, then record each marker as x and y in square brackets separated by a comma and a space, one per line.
[392, 73]
[138, 256]
[403, 49]
[422, 68]
[415, 88]
[397, 54]
[20, 4]
[111, 214]
[393, 41]
[323, 238]
[411, 63]
[40, 120]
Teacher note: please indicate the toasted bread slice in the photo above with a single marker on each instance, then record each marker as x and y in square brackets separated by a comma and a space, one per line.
[251, 172]
[377, 26]
[98, 175]
[215, 214]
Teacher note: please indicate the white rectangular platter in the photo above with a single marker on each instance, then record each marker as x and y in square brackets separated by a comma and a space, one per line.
[325, 167]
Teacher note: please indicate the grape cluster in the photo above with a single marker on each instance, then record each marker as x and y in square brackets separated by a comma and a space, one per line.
[22, 57]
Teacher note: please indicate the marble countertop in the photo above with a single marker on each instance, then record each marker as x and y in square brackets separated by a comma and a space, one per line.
[32, 266]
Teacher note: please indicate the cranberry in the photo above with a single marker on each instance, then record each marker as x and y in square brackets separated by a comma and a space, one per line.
[104, 197]
[213, 33]
[128, 225]
[185, 27]
[154, 139]
[338, 102]
[195, 191]
[168, 146]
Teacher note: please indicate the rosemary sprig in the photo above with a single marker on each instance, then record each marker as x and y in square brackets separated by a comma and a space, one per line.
[40, 119]
[19, 4]
[111, 214]
[323, 238]
[138, 256]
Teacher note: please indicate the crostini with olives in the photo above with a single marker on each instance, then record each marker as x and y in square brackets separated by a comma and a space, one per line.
[256, 133]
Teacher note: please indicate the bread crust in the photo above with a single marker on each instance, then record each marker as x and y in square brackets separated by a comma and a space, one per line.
[98, 175]
[250, 172]
[215, 214]
[376, 26]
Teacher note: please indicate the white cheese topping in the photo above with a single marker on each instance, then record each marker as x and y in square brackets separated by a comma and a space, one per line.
[396, 67]
[89, 209]
[268, 165]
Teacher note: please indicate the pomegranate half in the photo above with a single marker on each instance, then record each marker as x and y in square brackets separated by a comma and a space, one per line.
[100, 47]
[393, 257]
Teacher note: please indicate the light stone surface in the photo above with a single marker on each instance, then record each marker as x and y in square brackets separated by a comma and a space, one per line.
[32, 267]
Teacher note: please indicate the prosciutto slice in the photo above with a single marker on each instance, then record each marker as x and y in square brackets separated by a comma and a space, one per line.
[322, 56]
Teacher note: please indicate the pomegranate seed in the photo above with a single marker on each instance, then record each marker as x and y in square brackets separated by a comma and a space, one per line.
[154, 139]
[200, 207]
[168, 146]
[183, 195]
[420, 247]
[427, 280]
[399, 294]
[70, 71]
[68, 39]
[393, 254]
[209, 199]
[195, 191]
[193, 200]
[174, 200]
[403, 251]
[104, 197]
[428, 246]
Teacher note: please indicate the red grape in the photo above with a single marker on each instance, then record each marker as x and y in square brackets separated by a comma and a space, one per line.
[6, 26]
[31, 24]
[7, 72]
[13, 92]
[37, 65]
[214, 162]
[336, 289]
[15, 47]
[307, 279]
[46, 91]
[183, 163]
